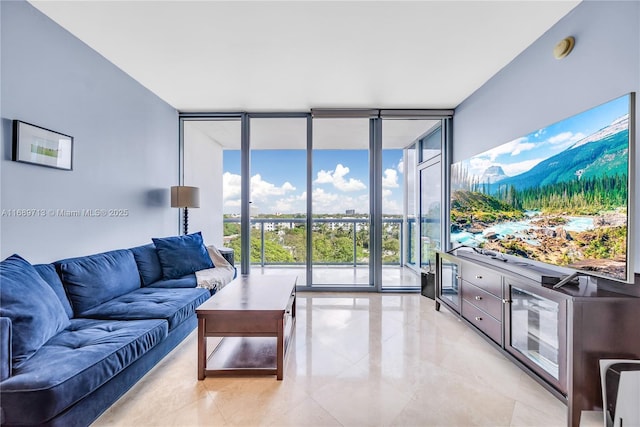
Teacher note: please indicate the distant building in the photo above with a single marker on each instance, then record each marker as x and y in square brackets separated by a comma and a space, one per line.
[350, 212]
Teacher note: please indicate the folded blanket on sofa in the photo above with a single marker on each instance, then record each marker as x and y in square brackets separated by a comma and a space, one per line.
[215, 278]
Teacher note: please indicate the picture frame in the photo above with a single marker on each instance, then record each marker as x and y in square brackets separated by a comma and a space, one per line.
[40, 146]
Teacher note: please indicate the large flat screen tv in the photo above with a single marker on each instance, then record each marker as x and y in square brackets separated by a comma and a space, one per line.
[559, 195]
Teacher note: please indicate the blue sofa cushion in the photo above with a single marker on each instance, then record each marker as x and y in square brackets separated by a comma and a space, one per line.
[94, 279]
[49, 275]
[73, 364]
[35, 311]
[182, 255]
[5, 349]
[173, 305]
[148, 263]
[188, 281]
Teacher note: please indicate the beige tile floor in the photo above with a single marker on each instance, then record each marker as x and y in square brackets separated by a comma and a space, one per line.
[355, 360]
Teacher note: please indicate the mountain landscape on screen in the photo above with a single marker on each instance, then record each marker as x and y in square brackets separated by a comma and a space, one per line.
[558, 195]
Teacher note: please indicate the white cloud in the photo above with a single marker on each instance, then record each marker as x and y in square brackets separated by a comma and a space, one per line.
[514, 148]
[522, 147]
[514, 169]
[386, 193]
[283, 205]
[401, 166]
[477, 165]
[390, 206]
[291, 204]
[561, 137]
[326, 202]
[230, 186]
[337, 178]
[323, 201]
[261, 190]
[390, 179]
[324, 177]
[564, 139]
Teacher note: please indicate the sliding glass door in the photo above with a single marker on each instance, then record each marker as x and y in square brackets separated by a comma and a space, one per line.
[431, 195]
[400, 230]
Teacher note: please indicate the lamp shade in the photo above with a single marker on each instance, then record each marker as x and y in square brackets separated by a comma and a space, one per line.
[185, 197]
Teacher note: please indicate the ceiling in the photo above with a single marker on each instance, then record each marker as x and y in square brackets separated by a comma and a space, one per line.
[264, 56]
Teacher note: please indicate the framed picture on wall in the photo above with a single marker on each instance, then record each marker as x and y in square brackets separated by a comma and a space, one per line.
[39, 146]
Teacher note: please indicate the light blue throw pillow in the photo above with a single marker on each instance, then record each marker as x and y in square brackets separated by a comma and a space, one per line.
[35, 311]
[182, 255]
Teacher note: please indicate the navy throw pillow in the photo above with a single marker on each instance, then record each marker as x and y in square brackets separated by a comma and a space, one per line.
[35, 311]
[148, 263]
[182, 255]
[94, 279]
[49, 275]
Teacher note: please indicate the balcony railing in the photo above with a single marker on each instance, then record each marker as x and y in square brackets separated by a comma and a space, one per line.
[334, 230]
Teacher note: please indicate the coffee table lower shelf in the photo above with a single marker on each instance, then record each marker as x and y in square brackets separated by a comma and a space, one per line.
[247, 355]
[244, 356]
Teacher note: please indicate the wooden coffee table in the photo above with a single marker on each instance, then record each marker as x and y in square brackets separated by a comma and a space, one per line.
[256, 316]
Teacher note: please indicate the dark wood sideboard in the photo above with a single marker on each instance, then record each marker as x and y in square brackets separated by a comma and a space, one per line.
[557, 336]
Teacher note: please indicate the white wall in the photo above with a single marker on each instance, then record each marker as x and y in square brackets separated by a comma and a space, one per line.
[125, 148]
[203, 169]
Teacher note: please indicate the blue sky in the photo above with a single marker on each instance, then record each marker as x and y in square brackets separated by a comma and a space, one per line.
[523, 153]
[340, 181]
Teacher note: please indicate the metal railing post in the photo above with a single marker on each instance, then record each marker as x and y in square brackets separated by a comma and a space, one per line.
[355, 245]
[401, 238]
[261, 243]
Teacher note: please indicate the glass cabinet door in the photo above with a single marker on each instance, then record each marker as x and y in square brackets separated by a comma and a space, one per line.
[448, 282]
[537, 332]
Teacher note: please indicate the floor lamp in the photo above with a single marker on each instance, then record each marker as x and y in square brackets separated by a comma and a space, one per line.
[185, 197]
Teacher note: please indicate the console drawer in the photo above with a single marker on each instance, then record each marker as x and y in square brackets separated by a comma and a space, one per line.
[482, 299]
[483, 321]
[483, 278]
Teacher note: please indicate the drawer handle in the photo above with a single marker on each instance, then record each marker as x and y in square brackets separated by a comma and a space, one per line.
[506, 301]
[478, 297]
[478, 318]
[478, 276]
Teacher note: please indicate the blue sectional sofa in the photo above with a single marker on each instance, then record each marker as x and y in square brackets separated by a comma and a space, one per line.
[76, 334]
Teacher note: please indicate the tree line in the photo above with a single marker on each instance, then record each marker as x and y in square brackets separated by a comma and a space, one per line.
[586, 195]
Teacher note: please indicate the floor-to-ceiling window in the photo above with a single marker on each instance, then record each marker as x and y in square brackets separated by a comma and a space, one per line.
[211, 153]
[337, 200]
[278, 194]
[340, 202]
